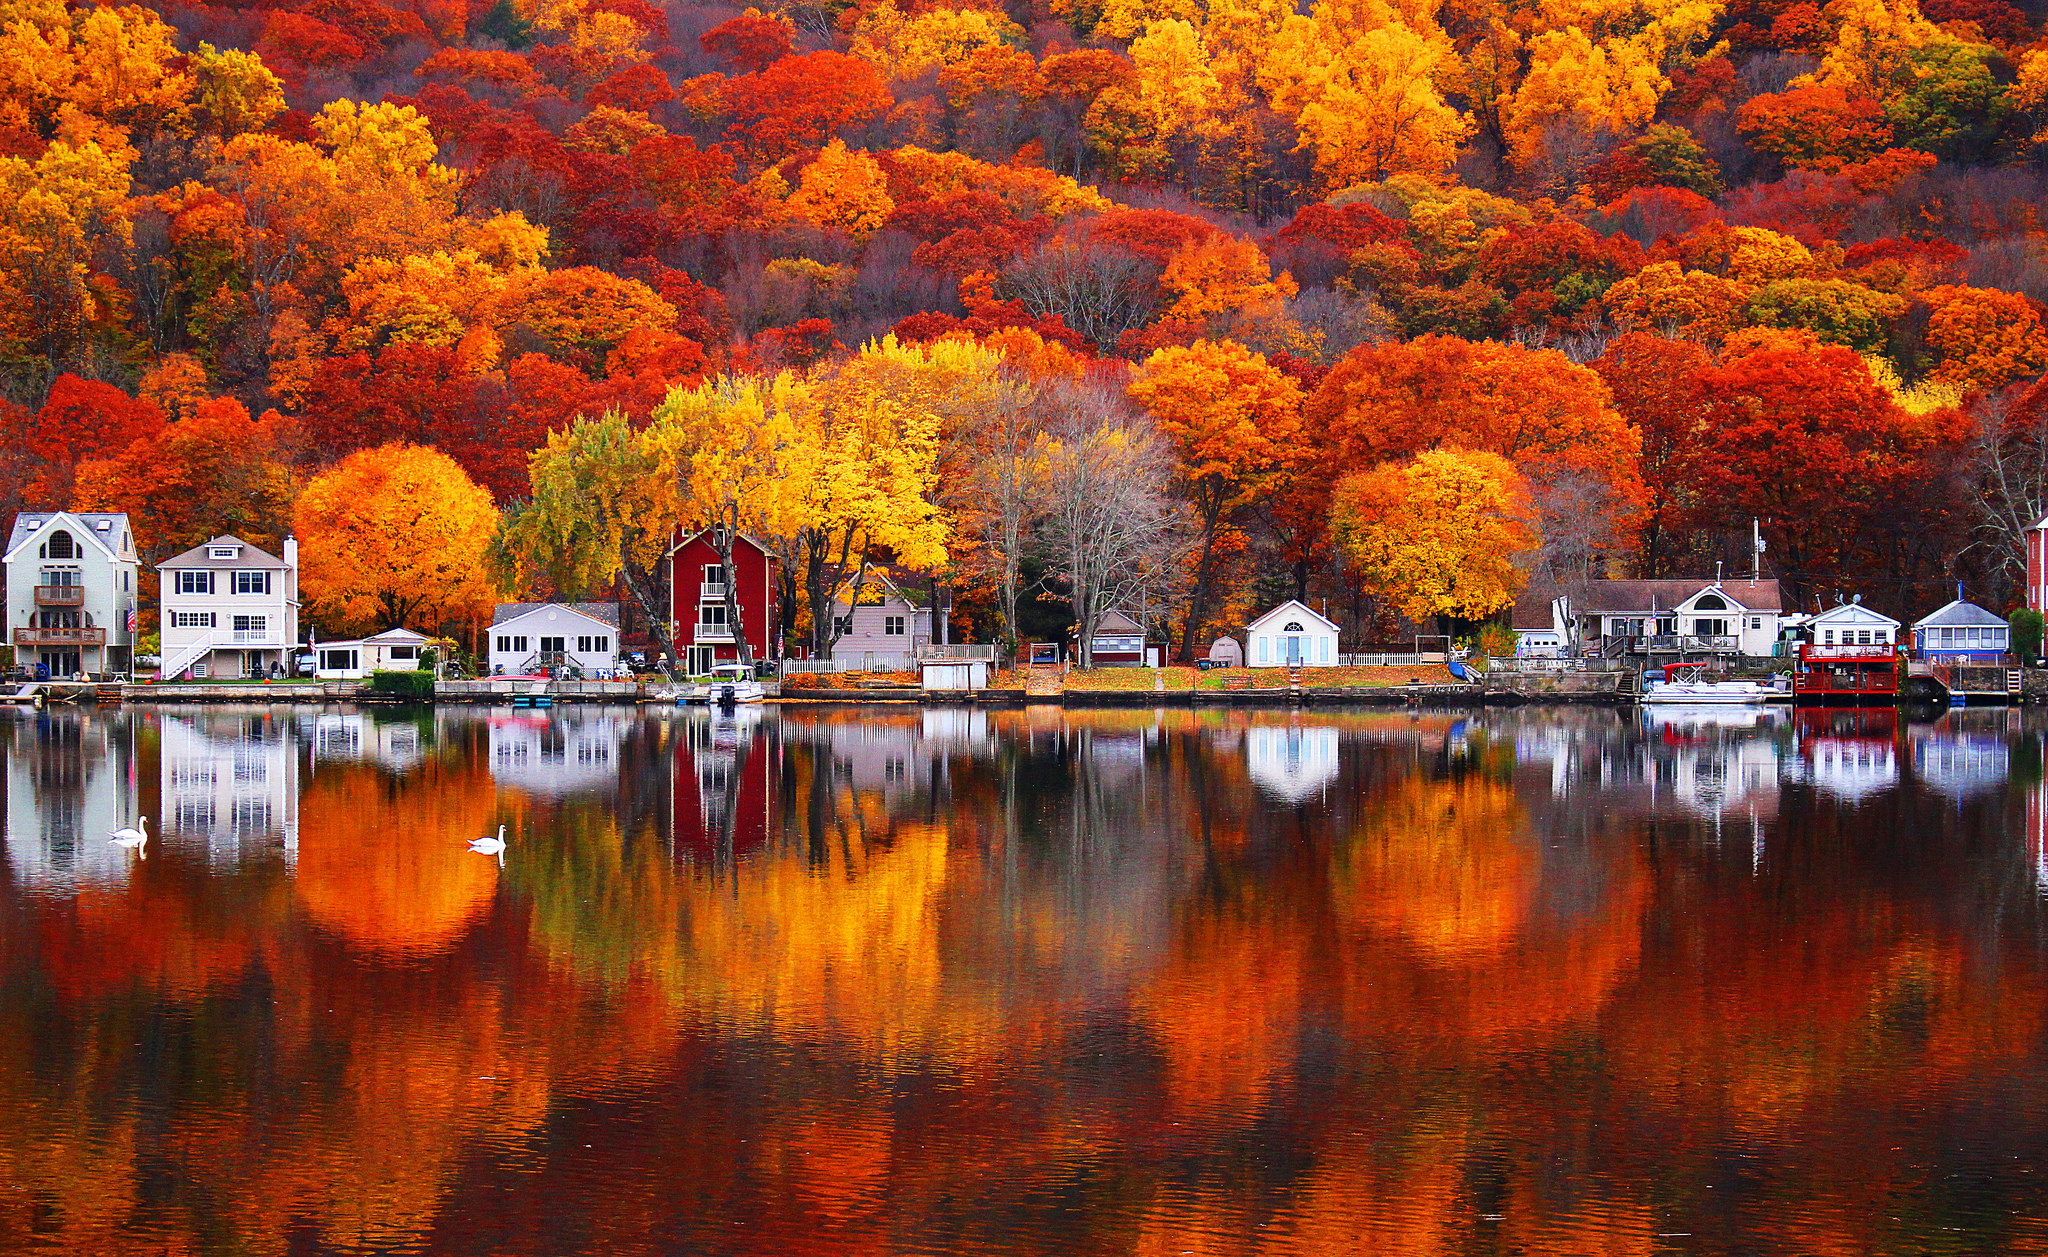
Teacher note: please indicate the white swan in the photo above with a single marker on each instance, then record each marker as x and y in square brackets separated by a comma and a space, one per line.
[132, 837]
[490, 846]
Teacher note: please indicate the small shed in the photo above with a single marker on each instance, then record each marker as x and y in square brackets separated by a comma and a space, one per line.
[1119, 642]
[1292, 635]
[1851, 624]
[1959, 630]
[954, 675]
[1228, 651]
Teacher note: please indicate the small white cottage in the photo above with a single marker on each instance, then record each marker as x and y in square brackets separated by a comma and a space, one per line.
[1851, 624]
[528, 636]
[393, 650]
[1292, 635]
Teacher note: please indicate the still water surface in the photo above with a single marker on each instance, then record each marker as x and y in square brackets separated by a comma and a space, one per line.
[952, 982]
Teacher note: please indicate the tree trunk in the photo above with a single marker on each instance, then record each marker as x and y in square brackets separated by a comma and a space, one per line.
[1199, 599]
[722, 540]
[641, 585]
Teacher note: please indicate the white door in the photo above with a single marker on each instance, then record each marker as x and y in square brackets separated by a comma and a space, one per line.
[1290, 648]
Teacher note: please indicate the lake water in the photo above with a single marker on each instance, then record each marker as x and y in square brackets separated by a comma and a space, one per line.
[1023, 982]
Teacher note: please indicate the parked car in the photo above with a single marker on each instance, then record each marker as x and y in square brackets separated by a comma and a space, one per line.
[304, 665]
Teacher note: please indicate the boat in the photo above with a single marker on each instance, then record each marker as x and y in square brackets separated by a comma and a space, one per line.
[1686, 684]
[727, 684]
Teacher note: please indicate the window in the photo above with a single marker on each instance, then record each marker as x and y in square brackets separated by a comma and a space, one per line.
[842, 624]
[1711, 602]
[602, 643]
[403, 652]
[711, 614]
[1756, 621]
[551, 646]
[191, 619]
[1863, 637]
[250, 623]
[338, 661]
[583, 644]
[60, 546]
[65, 579]
[1827, 637]
[504, 644]
[223, 552]
[519, 644]
[892, 626]
[714, 573]
[252, 582]
[1293, 626]
[195, 582]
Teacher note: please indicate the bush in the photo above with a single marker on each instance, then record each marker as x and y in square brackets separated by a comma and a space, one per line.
[2027, 627]
[417, 687]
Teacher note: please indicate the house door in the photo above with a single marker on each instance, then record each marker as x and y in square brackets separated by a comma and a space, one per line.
[1290, 649]
[698, 660]
[61, 663]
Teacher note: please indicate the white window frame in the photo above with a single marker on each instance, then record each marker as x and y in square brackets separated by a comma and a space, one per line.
[252, 582]
[195, 581]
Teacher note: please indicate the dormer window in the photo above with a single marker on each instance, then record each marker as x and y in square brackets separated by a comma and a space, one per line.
[223, 552]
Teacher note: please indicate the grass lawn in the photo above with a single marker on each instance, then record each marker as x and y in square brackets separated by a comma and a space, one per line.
[1129, 678]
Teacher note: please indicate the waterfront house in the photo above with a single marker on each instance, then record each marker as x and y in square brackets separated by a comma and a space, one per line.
[1849, 624]
[1119, 642]
[393, 650]
[697, 603]
[884, 628]
[228, 609]
[1292, 635]
[528, 636]
[1649, 618]
[72, 578]
[1959, 631]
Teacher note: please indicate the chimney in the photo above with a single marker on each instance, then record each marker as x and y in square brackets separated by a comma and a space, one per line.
[291, 553]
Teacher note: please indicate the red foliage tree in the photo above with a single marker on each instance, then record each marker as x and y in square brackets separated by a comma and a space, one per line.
[798, 103]
[751, 42]
[638, 88]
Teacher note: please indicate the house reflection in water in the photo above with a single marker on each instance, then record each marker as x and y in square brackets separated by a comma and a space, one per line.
[70, 782]
[1851, 753]
[1291, 763]
[726, 778]
[1965, 754]
[567, 753]
[230, 785]
[353, 737]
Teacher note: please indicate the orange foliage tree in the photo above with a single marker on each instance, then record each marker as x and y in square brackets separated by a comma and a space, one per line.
[395, 534]
[1232, 418]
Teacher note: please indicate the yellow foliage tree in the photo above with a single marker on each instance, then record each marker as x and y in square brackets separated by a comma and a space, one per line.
[1873, 45]
[907, 46]
[54, 211]
[845, 189]
[1668, 298]
[1987, 338]
[1611, 86]
[1365, 101]
[396, 536]
[1440, 535]
[116, 63]
[236, 91]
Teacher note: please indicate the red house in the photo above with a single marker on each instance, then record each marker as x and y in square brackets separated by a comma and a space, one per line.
[2037, 566]
[696, 599]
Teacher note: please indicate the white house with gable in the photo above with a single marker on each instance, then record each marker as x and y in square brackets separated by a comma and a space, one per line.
[71, 591]
[393, 650]
[1850, 624]
[229, 609]
[1291, 635]
[529, 636]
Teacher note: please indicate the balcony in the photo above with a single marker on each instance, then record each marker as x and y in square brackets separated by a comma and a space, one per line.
[711, 591]
[712, 633]
[60, 637]
[60, 595]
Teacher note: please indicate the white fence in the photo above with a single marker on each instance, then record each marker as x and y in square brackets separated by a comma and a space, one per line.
[887, 660]
[1549, 663]
[1410, 660]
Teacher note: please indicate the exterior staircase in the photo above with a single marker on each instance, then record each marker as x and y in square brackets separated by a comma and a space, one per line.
[174, 665]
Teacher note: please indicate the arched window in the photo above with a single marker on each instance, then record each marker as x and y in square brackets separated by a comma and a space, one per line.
[1712, 602]
[60, 546]
[1293, 626]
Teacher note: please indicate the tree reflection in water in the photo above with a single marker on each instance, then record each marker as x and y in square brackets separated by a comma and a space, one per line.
[1021, 981]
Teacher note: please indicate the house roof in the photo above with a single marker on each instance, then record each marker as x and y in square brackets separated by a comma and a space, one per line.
[1960, 613]
[1117, 622]
[1854, 612]
[602, 612]
[252, 557]
[881, 585]
[1610, 596]
[1294, 608]
[772, 556]
[28, 525]
[1532, 610]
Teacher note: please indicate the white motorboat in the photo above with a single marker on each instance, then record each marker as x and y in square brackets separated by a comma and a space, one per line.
[1687, 685]
[728, 683]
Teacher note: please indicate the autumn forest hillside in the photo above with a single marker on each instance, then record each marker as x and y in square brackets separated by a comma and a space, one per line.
[1390, 304]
